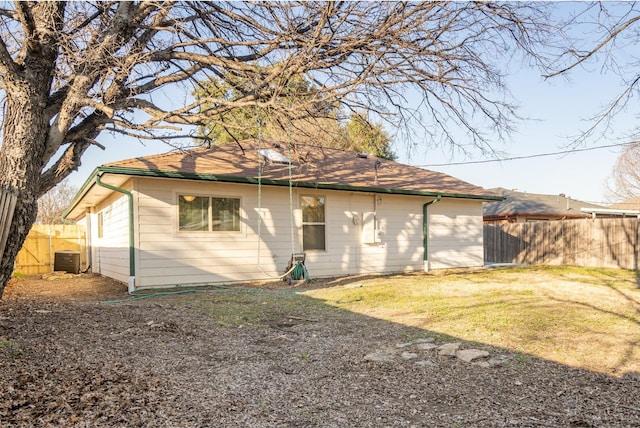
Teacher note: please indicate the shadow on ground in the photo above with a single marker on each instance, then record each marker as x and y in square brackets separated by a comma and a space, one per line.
[81, 353]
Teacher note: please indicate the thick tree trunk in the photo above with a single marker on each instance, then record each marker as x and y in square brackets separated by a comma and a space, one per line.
[21, 158]
[23, 218]
[27, 79]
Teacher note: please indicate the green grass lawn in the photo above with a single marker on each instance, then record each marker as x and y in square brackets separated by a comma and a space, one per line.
[581, 317]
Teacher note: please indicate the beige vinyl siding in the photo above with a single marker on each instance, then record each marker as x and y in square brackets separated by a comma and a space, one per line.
[168, 257]
[110, 254]
[455, 234]
[171, 257]
[399, 231]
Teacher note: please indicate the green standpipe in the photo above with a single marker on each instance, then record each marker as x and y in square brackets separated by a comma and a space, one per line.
[425, 232]
[132, 261]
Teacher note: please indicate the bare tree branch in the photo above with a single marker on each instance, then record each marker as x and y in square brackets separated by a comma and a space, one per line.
[615, 31]
[7, 66]
[611, 36]
[70, 71]
[624, 181]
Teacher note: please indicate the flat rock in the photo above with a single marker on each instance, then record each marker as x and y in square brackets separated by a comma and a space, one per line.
[383, 356]
[469, 355]
[426, 346]
[408, 355]
[448, 349]
[426, 363]
[418, 342]
[57, 275]
[424, 340]
[404, 345]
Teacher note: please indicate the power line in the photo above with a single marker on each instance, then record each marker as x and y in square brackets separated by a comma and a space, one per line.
[539, 155]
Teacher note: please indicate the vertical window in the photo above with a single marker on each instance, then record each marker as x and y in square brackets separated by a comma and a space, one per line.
[200, 213]
[313, 223]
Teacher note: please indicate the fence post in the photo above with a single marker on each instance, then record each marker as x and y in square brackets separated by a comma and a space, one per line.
[636, 244]
[51, 255]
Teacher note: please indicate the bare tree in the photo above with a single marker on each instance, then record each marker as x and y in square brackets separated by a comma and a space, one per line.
[70, 71]
[52, 204]
[624, 180]
[613, 31]
[614, 49]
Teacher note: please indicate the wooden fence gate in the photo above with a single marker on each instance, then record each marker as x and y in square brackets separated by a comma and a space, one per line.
[605, 242]
[37, 255]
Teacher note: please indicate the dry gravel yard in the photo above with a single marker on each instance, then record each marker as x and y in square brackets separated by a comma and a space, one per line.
[267, 357]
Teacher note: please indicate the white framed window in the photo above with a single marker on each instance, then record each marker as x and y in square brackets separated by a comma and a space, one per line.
[208, 213]
[313, 223]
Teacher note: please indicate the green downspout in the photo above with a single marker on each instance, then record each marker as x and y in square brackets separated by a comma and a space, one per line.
[132, 261]
[425, 232]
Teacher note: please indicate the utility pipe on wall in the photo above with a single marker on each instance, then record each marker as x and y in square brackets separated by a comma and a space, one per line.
[132, 261]
[425, 232]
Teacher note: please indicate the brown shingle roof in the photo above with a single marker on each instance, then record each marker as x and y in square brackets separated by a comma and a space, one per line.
[310, 166]
[523, 204]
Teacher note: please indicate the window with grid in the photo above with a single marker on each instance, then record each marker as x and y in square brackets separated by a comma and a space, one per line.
[313, 223]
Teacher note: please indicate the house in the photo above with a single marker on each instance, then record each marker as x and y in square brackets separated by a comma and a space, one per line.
[628, 208]
[240, 211]
[521, 207]
[627, 204]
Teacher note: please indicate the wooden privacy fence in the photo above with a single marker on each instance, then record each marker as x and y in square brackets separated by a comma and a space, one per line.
[606, 242]
[37, 255]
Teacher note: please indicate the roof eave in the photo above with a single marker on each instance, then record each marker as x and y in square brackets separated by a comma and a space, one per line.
[139, 172]
[89, 182]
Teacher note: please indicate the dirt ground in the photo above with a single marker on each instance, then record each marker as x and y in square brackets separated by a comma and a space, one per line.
[76, 353]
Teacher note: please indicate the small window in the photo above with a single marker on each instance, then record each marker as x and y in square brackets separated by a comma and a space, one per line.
[203, 213]
[313, 223]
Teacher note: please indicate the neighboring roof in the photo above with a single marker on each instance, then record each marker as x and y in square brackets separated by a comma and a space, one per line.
[532, 204]
[627, 204]
[611, 212]
[311, 167]
[627, 208]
